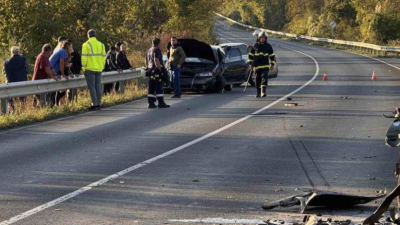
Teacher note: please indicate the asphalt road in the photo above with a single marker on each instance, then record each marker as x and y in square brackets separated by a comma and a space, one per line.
[213, 158]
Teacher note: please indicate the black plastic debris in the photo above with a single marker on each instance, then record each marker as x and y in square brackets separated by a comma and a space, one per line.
[322, 199]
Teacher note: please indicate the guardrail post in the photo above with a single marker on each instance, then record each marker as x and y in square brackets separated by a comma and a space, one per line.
[43, 99]
[121, 87]
[4, 106]
[385, 53]
[73, 95]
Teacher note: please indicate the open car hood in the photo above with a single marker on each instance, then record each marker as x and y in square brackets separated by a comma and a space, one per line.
[197, 49]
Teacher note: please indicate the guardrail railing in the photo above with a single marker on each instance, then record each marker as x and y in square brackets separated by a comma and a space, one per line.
[371, 47]
[41, 87]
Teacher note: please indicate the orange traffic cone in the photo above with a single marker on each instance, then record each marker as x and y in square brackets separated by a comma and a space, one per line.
[325, 77]
[374, 77]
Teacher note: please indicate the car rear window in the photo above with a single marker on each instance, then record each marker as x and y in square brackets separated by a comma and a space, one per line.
[243, 49]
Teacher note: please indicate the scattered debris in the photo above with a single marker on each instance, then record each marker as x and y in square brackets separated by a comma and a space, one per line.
[345, 97]
[291, 104]
[289, 98]
[196, 181]
[321, 198]
[121, 182]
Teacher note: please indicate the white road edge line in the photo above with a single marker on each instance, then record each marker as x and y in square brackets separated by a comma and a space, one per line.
[170, 152]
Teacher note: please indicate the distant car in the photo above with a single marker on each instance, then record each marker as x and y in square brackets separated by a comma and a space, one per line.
[244, 50]
[210, 68]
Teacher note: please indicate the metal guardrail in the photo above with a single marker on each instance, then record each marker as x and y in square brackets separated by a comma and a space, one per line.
[41, 87]
[373, 48]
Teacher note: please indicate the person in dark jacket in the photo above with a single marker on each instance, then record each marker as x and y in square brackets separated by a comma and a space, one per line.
[122, 60]
[262, 59]
[111, 65]
[16, 70]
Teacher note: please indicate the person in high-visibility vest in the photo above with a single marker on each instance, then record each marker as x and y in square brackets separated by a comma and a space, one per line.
[260, 58]
[93, 61]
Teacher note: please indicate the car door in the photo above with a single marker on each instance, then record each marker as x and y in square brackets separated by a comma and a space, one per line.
[235, 66]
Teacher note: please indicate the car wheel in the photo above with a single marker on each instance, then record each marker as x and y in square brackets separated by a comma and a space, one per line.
[220, 84]
[228, 87]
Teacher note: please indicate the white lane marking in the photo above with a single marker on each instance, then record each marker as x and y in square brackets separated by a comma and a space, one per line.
[41, 133]
[142, 164]
[220, 221]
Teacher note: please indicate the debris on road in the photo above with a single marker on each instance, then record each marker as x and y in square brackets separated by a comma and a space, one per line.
[321, 198]
[291, 104]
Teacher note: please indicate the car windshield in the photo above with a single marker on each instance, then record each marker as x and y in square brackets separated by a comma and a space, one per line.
[198, 60]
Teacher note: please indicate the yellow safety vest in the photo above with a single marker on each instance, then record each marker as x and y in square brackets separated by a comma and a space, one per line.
[93, 55]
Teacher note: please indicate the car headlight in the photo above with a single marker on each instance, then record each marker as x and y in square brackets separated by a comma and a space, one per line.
[205, 74]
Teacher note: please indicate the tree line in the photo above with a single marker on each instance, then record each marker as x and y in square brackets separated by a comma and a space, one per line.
[32, 23]
[372, 21]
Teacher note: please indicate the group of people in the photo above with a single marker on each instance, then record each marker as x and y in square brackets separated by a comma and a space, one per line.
[157, 71]
[65, 62]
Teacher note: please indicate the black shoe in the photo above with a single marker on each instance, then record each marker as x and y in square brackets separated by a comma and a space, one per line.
[163, 106]
[176, 96]
[151, 106]
[94, 108]
[258, 96]
[98, 108]
[264, 95]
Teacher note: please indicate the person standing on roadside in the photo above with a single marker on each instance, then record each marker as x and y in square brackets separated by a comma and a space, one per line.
[69, 49]
[111, 65]
[176, 59]
[16, 70]
[93, 61]
[155, 69]
[122, 60]
[43, 69]
[260, 58]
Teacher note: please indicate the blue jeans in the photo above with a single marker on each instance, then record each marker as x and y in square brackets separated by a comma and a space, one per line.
[176, 80]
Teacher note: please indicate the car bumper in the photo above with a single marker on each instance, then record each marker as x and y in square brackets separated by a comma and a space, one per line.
[197, 83]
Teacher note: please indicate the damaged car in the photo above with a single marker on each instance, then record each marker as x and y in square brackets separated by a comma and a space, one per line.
[210, 68]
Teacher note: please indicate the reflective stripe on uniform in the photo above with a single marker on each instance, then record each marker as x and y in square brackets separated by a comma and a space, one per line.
[273, 54]
[261, 67]
[160, 95]
[251, 54]
[261, 54]
[92, 53]
[151, 96]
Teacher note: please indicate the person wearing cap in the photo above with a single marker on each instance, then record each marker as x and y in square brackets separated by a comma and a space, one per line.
[16, 70]
[262, 59]
[93, 61]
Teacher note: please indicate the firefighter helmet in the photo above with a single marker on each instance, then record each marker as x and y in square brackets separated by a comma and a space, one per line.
[255, 33]
[263, 34]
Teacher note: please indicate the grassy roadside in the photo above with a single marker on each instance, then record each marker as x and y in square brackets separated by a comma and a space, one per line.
[27, 114]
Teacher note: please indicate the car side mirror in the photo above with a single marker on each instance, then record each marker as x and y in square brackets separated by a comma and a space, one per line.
[392, 134]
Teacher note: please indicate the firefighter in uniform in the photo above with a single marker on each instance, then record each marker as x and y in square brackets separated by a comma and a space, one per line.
[262, 59]
[156, 74]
